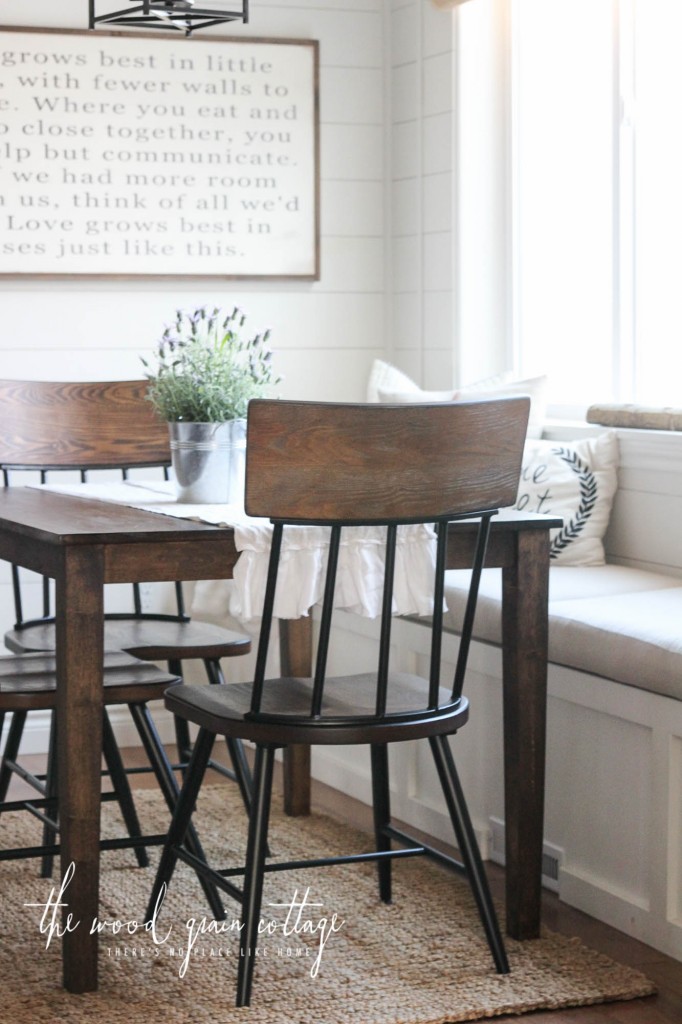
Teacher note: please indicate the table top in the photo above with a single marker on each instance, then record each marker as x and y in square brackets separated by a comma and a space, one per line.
[63, 519]
[38, 527]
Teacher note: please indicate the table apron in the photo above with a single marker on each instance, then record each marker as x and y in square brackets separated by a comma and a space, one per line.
[500, 553]
[40, 556]
[161, 561]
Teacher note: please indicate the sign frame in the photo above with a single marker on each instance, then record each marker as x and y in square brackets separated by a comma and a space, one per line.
[122, 150]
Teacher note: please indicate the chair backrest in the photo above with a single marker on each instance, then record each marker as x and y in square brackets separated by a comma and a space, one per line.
[324, 462]
[387, 465]
[83, 426]
[74, 425]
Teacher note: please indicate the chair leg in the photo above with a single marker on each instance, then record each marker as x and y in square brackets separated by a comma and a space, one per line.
[151, 741]
[51, 792]
[116, 769]
[214, 671]
[235, 747]
[468, 847]
[124, 796]
[182, 739]
[242, 772]
[181, 818]
[253, 877]
[382, 816]
[14, 734]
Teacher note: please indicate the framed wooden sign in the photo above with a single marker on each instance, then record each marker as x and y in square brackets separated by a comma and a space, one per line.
[137, 154]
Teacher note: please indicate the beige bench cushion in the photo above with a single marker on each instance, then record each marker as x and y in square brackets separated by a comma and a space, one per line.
[613, 621]
[632, 638]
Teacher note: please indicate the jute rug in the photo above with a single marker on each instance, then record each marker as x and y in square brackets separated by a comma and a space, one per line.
[330, 952]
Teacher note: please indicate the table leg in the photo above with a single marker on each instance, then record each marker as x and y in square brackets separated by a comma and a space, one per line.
[295, 648]
[524, 627]
[79, 593]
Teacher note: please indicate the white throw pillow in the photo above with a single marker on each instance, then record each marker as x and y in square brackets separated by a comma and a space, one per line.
[415, 397]
[505, 386]
[388, 384]
[385, 377]
[576, 480]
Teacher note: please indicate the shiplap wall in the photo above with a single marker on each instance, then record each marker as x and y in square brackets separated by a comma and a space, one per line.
[449, 311]
[421, 313]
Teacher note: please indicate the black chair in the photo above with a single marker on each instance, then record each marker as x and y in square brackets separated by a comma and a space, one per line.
[50, 428]
[345, 466]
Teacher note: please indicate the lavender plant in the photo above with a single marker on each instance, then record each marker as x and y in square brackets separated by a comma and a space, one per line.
[205, 370]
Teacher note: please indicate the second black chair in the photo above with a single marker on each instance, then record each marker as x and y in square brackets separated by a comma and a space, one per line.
[50, 429]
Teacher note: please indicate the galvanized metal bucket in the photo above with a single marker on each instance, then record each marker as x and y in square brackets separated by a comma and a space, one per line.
[209, 461]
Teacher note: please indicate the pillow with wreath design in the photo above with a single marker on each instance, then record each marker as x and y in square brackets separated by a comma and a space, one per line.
[576, 480]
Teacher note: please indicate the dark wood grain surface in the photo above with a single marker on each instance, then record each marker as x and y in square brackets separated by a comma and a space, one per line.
[327, 461]
[103, 423]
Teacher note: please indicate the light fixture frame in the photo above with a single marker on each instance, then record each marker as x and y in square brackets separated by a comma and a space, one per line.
[156, 14]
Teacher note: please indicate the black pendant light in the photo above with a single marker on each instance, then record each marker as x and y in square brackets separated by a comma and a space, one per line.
[178, 15]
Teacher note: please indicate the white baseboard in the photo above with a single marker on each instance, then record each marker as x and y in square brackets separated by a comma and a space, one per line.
[623, 911]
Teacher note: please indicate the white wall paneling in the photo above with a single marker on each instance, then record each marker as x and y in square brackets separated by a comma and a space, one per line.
[648, 498]
[483, 181]
[422, 240]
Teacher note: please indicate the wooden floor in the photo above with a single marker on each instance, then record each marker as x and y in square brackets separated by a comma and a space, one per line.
[663, 1008]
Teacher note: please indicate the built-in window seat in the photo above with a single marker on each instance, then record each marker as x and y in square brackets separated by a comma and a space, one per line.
[613, 818]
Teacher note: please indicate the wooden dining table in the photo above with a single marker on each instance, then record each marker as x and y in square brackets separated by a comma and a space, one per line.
[84, 544]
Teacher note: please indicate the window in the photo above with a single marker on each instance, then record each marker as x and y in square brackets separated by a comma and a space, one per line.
[597, 199]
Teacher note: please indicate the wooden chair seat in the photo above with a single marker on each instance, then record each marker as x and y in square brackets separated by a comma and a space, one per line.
[29, 682]
[151, 639]
[349, 710]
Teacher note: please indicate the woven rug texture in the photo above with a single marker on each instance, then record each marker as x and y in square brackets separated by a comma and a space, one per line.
[329, 952]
